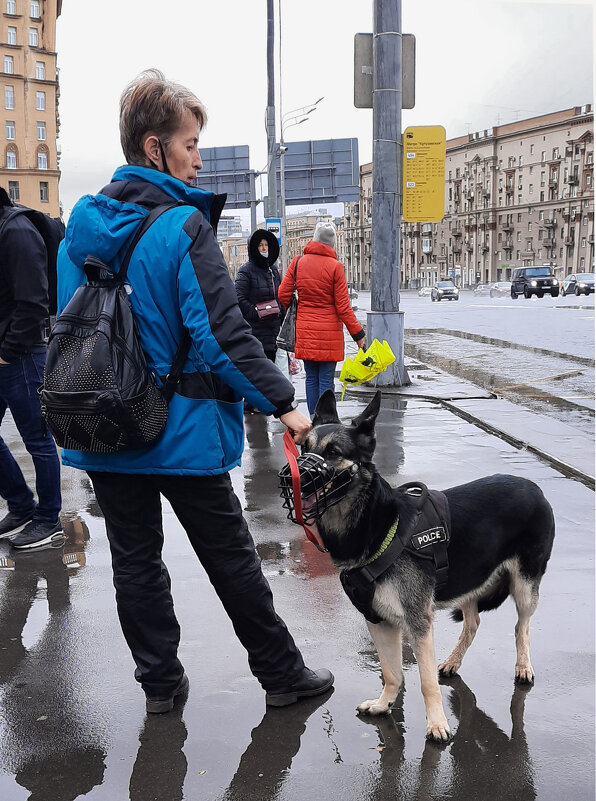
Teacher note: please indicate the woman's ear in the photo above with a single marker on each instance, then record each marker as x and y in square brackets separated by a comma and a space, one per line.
[152, 152]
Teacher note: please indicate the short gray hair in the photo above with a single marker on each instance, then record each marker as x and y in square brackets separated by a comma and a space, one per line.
[151, 105]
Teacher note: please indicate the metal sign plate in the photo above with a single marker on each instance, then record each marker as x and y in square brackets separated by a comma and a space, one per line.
[321, 171]
[363, 70]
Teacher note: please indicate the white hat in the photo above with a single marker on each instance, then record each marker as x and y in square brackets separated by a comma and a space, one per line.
[325, 233]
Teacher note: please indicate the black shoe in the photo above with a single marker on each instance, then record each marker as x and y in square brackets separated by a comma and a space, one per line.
[310, 682]
[37, 534]
[14, 521]
[157, 706]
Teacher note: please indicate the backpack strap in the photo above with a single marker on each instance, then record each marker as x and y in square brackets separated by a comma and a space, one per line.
[175, 371]
[147, 222]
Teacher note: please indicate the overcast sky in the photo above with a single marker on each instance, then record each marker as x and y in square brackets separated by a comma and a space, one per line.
[478, 63]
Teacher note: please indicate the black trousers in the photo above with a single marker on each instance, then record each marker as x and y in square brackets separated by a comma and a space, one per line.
[210, 512]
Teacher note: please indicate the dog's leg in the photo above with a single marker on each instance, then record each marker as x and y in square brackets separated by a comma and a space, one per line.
[471, 622]
[437, 727]
[525, 595]
[387, 640]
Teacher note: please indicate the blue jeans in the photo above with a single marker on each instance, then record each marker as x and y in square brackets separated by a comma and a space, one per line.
[319, 377]
[19, 383]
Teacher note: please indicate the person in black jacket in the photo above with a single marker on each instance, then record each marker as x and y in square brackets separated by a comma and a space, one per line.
[23, 317]
[257, 282]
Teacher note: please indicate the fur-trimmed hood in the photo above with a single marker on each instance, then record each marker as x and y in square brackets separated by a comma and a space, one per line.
[253, 248]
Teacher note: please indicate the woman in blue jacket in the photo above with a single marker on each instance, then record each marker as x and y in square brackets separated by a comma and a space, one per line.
[178, 279]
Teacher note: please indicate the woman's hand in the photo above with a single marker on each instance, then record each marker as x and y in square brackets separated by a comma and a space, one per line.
[361, 343]
[298, 424]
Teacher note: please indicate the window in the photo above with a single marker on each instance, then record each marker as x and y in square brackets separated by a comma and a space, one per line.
[531, 170]
[40, 70]
[585, 220]
[33, 37]
[583, 244]
[531, 189]
[11, 35]
[13, 191]
[519, 217]
[11, 6]
[9, 65]
[34, 9]
[539, 253]
[542, 196]
[42, 161]
[582, 262]
[576, 153]
[529, 227]
[40, 101]
[9, 97]
[11, 160]
[518, 255]
[44, 191]
[588, 179]
[543, 156]
[521, 160]
[531, 150]
[41, 131]
[540, 233]
[10, 129]
[519, 236]
[555, 152]
[589, 158]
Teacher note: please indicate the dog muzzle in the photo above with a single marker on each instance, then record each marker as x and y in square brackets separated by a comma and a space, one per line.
[321, 485]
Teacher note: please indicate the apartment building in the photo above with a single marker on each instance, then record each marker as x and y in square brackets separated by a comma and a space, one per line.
[516, 194]
[29, 92]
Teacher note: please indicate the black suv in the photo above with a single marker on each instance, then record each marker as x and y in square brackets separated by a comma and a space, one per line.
[534, 281]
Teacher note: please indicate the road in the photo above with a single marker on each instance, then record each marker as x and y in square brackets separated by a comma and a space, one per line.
[537, 352]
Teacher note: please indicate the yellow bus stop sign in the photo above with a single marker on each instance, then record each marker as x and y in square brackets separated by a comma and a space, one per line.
[424, 173]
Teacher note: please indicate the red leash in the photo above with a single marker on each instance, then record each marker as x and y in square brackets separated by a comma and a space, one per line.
[291, 452]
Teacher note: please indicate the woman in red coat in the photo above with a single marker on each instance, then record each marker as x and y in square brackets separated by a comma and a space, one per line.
[323, 309]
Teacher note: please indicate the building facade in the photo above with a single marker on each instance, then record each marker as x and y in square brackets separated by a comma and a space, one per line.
[515, 195]
[29, 93]
[228, 226]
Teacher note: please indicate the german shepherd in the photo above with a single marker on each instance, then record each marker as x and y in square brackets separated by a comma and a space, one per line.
[501, 537]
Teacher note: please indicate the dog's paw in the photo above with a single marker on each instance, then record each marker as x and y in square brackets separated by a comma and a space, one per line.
[448, 668]
[524, 674]
[376, 707]
[438, 731]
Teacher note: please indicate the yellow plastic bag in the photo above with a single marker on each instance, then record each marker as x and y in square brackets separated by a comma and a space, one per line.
[366, 364]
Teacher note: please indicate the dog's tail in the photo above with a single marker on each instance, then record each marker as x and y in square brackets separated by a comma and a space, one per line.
[494, 596]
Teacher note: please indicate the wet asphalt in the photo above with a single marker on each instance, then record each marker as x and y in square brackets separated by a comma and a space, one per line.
[72, 718]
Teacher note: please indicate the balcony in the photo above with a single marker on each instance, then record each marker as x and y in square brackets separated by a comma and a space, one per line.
[456, 231]
[549, 242]
[485, 248]
[591, 239]
[549, 222]
[507, 227]
[528, 254]
[553, 183]
[569, 241]
[573, 180]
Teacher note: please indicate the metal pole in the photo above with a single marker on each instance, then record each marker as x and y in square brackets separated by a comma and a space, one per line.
[271, 199]
[385, 321]
[253, 201]
[282, 183]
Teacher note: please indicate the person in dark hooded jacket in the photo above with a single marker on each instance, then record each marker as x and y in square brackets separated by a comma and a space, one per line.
[258, 281]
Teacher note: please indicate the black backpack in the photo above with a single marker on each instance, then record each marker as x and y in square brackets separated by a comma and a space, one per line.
[52, 233]
[98, 393]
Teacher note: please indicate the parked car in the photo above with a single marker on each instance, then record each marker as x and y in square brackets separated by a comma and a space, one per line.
[424, 290]
[534, 281]
[500, 288]
[579, 283]
[482, 289]
[444, 290]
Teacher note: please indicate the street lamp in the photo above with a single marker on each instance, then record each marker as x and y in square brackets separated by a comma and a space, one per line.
[294, 117]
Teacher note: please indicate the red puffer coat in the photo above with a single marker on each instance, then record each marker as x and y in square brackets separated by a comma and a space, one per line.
[323, 304]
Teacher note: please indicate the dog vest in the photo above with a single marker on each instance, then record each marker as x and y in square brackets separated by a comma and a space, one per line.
[425, 535]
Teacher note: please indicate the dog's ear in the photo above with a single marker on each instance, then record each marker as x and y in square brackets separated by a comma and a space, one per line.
[365, 422]
[325, 410]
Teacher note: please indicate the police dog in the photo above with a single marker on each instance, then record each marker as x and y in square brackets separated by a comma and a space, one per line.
[501, 536]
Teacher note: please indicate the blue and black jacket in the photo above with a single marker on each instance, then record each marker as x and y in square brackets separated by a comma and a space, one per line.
[178, 278]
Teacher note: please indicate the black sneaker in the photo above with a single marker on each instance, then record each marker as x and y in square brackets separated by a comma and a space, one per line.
[157, 706]
[14, 521]
[310, 682]
[36, 534]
